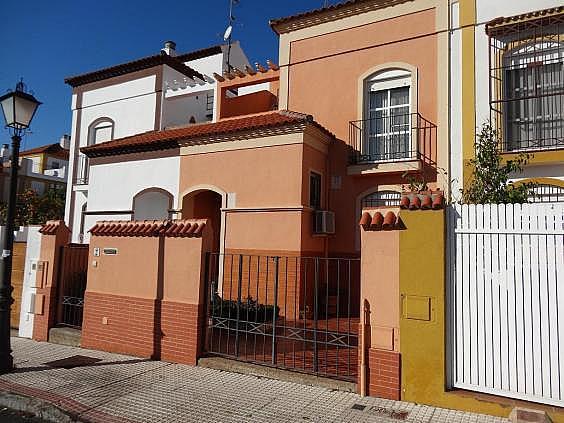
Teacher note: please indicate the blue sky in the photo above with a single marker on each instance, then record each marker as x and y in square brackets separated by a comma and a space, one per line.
[46, 41]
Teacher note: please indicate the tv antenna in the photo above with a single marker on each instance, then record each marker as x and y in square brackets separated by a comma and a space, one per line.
[228, 31]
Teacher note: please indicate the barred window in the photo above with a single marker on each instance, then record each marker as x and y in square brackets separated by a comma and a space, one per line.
[534, 90]
[381, 199]
[527, 83]
[546, 193]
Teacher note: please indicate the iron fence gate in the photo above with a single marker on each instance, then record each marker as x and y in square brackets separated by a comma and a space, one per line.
[72, 284]
[297, 313]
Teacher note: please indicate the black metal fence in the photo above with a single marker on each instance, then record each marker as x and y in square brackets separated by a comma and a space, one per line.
[297, 313]
[72, 284]
[392, 138]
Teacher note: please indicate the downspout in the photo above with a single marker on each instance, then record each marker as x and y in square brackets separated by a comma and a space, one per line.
[327, 196]
[449, 109]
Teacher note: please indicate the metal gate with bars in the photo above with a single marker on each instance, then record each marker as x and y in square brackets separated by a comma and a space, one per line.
[506, 300]
[296, 313]
[72, 284]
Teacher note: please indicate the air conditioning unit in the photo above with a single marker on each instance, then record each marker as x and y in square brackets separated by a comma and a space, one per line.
[323, 222]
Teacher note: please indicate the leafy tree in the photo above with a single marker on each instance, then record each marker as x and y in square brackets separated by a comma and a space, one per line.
[35, 209]
[490, 176]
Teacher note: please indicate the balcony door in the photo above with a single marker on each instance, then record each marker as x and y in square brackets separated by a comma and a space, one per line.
[388, 119]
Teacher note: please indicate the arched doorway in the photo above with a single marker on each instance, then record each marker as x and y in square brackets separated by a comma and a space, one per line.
[205, 204]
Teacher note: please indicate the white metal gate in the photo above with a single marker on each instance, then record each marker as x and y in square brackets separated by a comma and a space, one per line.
[506, 300]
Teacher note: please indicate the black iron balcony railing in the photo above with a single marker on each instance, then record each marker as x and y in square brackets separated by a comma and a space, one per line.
[533, 134]
[82, 170]
[392, 138]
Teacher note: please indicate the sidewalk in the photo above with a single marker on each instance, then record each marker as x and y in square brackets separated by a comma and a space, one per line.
[103, 387]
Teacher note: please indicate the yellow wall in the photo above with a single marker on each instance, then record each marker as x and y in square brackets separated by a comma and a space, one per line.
[423, 343]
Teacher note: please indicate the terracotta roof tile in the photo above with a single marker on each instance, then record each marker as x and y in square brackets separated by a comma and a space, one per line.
[50, 227]
[332, 12]
[149, 228]
[378, 222]
[136, 65]
[196, 134]
[414, 201]
[503, 25]
[50, 149]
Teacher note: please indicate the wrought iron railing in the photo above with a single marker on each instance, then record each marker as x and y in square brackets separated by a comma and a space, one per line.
[296, 313]
[392, 138]
[82, 170]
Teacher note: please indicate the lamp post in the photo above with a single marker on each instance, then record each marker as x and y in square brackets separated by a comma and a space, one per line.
[18, 108]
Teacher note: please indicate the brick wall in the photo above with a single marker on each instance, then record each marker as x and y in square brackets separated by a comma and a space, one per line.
[383, 374]
[131, 325]
[182, 333]
[43, 321]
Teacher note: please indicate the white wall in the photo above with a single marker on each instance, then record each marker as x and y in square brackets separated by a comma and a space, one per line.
[178, 110]
[131, 105]
[486, 10]
[33, 250]
[113, 186]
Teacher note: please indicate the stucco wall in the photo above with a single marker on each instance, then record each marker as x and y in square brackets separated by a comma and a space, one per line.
[319, 62]
[113, 185]
[470, 97]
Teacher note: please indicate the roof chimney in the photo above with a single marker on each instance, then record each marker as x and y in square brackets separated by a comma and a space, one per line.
[169, 48]
[65, 141]
[4, 153]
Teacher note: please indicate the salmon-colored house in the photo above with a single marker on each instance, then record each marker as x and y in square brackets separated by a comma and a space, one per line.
[256, 207]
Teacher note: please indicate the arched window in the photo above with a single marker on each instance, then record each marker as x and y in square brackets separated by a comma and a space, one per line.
[546, 193]
[381, 199]
[101, 130]
[387, 115]
[532, 99]
[152, 204]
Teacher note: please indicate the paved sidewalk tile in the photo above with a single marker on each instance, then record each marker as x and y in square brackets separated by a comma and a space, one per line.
[116, 388]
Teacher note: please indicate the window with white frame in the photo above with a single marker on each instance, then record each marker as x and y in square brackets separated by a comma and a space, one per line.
[100, 131]
[388, 116]
[533, 96]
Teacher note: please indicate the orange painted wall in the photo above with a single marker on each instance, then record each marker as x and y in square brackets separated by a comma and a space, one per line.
[380, 286]
[261, 177]
[327, 88]
[266, 177]
[260, 101]
[134, 270]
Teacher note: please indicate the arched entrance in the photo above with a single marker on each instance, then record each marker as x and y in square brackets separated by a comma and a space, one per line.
[205, 204]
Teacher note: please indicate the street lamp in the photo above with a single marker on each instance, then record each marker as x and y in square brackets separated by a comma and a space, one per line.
[18, 108]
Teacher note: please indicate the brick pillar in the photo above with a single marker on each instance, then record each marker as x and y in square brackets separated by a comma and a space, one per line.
[380, 294]
[54, 235]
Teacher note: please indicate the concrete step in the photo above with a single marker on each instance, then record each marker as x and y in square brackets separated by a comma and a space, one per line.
[65, 336]
[221, 363]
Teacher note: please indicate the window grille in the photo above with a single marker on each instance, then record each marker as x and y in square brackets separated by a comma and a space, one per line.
[527, 83]
[546, 193]
[382, 199]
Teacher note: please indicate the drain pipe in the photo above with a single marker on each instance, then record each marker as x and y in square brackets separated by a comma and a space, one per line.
[363, 324]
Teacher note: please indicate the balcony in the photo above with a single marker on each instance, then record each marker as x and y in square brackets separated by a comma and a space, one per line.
[538, 134]
[394, 143]
[82, 171]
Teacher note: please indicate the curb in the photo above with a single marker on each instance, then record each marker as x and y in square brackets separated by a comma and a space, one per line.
[39, 408]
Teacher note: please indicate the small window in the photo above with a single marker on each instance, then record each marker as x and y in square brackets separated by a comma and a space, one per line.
[152, 204]
[315, 190]
[545, 193]
[55, 165]
[382, 199]
[100, 131]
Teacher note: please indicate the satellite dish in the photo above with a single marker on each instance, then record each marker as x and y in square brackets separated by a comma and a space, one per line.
[227, 33]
